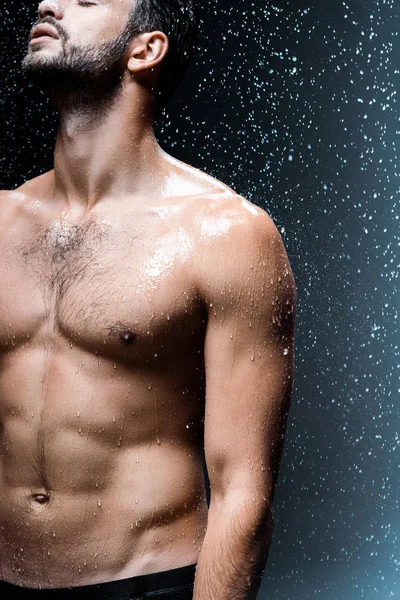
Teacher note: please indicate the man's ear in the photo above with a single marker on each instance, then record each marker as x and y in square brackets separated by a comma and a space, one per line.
[147, 51]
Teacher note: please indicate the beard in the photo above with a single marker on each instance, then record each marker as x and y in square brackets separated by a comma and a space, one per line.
[79, 77]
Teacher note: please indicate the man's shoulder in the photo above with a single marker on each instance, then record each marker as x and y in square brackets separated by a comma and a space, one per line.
[212, 210]
[206, 196]
[22, 196]
[228, 220]
[236, 241]
[10, 201]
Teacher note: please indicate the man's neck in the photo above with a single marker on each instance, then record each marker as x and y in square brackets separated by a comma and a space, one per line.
[111, 155]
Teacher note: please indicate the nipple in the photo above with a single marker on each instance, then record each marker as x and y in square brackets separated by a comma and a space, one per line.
[127, 337]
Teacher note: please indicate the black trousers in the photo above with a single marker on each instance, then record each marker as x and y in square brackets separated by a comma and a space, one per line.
[176, 584]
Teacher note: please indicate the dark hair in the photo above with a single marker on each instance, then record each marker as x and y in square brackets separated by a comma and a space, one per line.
[179, 20]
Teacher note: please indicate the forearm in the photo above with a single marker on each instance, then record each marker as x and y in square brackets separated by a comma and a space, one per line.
[234, 552]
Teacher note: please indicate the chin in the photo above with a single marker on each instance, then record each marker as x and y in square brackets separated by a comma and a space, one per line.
[38, 60]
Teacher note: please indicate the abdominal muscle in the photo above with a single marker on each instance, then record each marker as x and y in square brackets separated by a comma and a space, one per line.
[93, 488]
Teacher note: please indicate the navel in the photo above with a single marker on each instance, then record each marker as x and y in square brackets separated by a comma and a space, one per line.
[40, 498]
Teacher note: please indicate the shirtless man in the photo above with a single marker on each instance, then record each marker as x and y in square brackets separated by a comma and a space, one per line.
[146, 312]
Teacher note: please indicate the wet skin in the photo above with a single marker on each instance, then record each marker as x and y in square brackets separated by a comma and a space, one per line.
[146, 313]
[102, 379]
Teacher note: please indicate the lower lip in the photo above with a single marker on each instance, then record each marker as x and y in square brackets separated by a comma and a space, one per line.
[42, 38]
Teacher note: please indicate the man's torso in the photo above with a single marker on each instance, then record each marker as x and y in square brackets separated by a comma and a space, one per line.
[102, 393]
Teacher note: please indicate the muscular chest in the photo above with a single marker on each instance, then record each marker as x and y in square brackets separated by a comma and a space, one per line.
[112, 289]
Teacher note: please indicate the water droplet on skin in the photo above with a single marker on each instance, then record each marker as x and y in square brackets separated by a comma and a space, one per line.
[286, 352]
[99, 502]
[123, 299]
[76, 370]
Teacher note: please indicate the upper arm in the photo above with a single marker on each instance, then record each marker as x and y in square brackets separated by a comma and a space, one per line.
[250, 295]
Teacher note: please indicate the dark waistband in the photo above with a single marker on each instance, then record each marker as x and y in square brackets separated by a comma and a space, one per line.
[122, 588]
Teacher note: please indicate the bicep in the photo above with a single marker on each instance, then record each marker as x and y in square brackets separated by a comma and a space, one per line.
[249, 360]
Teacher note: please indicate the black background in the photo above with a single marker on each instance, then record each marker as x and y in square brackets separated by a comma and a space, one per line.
[294, 104]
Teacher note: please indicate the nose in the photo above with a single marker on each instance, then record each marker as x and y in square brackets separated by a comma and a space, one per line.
[50, 8]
